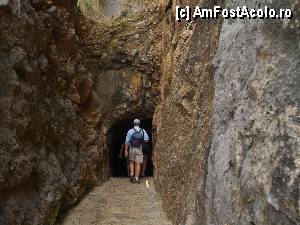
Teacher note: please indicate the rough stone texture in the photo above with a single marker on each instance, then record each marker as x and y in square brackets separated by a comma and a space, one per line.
[3, 2]
[254, 170]
[48, 150]
[65, 80]
[59, 98]
[107, 9]
[183, 117]
[123, 56]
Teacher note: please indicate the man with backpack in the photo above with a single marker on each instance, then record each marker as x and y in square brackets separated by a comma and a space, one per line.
[135, 139]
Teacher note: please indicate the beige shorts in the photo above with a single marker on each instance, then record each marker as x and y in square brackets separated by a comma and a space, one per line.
[136, 155]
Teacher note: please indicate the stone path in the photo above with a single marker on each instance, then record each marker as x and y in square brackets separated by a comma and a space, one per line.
[119, 202]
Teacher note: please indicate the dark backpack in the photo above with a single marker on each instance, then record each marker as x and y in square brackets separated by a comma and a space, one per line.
[137, 138]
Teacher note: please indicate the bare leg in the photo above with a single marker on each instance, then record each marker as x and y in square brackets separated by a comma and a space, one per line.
[127, 167]
[131, 166]
[137, 169]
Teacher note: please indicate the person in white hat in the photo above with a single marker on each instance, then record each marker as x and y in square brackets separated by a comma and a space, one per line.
[135, 139]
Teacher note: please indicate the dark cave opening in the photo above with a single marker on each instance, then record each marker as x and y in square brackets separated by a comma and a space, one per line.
[117, 137]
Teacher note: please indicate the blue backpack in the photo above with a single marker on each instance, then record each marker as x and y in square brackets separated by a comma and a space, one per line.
[137, 138]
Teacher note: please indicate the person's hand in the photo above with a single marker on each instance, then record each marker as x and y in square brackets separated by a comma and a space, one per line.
[126, 154]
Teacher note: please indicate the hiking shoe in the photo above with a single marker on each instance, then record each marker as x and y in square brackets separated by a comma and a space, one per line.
[131, 178]
[137, 181]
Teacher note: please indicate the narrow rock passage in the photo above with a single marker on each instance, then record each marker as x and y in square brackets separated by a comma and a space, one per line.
[119, 202]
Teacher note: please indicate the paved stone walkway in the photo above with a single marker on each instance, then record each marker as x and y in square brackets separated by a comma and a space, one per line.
[119, 202]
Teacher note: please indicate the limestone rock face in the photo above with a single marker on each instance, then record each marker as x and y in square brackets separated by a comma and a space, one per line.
[224, 96]
[47, 151]
[123, 56]
[3, 2]
[252, 173]
[107, 9]
[62, 88]
[253, 168]
[183, 117]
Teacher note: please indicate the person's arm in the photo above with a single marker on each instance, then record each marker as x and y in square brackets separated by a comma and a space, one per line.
[126, 149]
[127, 142]
[121, 151]
[146, 137]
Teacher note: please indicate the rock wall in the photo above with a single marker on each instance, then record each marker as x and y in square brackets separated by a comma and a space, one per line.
[62, 88]
[124, 58]
[106, 9]
[252, 173]
[253, 170]
[183, 117]
[225, 98]
[48, 148]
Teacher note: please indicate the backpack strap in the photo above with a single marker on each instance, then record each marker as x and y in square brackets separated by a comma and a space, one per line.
[138, 131]
[142, 137]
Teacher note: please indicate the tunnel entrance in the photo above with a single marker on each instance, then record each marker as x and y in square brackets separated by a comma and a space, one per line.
[116, 138]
